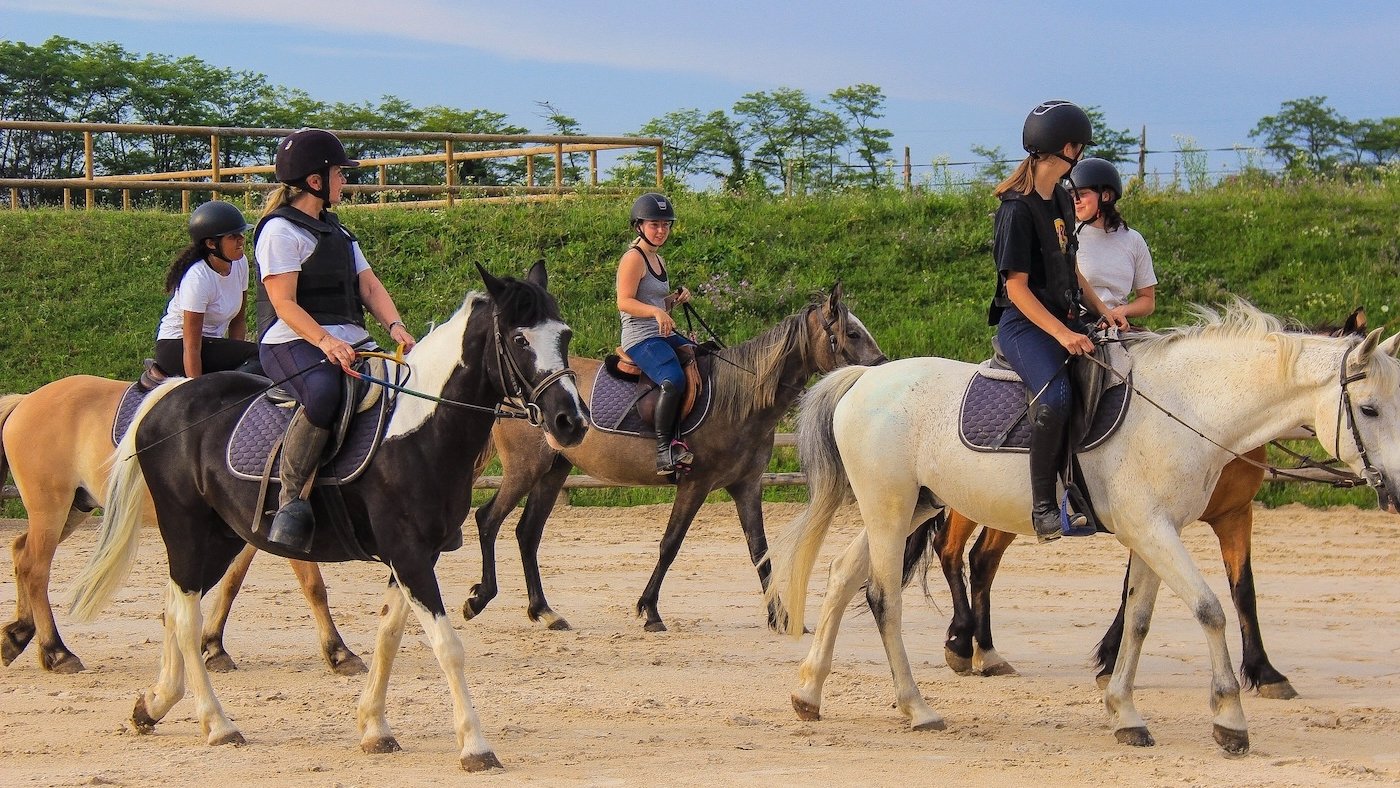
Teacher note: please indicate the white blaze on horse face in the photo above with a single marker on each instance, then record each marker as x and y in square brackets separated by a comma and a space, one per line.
[432, 360]
[551, 354]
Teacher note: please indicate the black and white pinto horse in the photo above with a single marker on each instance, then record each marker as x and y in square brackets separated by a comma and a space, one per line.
[508, 346]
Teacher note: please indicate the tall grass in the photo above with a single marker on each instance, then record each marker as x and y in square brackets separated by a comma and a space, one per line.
[80, 292]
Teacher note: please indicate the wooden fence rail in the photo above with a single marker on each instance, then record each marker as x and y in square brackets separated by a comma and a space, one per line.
[798, 479]
[212, 178]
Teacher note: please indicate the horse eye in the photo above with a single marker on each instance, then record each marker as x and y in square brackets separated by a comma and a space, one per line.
[1369, 410]
[521, 340]
[853, 334]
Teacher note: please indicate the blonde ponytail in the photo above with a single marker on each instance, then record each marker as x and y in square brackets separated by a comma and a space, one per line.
[1021, 180]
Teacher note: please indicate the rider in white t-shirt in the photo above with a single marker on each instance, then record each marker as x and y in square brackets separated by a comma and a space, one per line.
[203, 328]
[1113, 257]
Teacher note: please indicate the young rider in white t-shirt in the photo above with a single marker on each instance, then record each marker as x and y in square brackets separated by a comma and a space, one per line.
[1113, 257]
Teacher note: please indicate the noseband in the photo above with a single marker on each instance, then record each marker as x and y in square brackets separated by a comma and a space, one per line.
[1368, 471]
[523, 394]
[841, 351]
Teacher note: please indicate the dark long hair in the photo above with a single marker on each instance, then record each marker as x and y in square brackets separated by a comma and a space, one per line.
[1112, 219]
[194, 253]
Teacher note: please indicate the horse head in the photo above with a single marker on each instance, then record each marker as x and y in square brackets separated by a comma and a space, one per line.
[531, 360]
[845, 339]
[1365, 432]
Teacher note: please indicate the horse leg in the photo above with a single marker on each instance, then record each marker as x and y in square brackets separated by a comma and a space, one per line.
[182, 609]
[342, 661]
[1106, 652]
[1140, 595]
[157, 701]
[885, 596]
[33, 553]
[1233, 529]
[375, 735]
[848, 573]
[529, 532]
[949, 542]
[984, 561]
[216, 659]
[1163, 551]
[689, 497]
[748, 500]
[516, 482]
[421, 594]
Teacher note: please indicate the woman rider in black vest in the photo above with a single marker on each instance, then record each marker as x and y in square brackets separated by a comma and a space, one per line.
[1039, 290]
[315, 285]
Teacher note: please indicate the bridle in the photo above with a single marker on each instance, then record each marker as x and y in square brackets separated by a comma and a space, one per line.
[522, 395]
[843, 351]
[1369, 473]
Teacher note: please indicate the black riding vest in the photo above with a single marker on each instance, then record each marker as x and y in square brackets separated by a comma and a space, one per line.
[327, 287]
[1054, 228]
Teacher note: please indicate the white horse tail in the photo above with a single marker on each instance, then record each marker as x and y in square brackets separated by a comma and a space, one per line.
[796, 548]
[8, 403]
[120, 533]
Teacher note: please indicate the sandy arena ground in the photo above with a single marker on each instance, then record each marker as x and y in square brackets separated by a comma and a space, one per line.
[707, 702]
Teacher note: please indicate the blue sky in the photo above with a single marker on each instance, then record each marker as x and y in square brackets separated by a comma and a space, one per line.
[955, 73]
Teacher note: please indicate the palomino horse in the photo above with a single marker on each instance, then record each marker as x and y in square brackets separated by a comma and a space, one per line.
[889, 435]
[408, 504]
[754, 385]
[57, 441]
[1230, 514]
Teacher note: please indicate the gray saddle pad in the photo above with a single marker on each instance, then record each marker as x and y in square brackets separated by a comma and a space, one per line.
[613, 407]
[993, 416]
[126, 410]
[264, 421]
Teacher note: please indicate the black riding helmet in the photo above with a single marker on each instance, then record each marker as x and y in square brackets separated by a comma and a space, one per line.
[1054, 124]
[652, 207]
[307, 152]
[1097, 174]
[216, 219]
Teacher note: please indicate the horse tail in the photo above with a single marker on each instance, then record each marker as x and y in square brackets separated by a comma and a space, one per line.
[8, 403]
[828, 488]
[120, 533]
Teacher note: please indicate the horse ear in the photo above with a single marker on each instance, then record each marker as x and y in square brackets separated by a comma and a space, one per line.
[1363, 353]
[1355, 323]
[1391, 346]
[538, 275]
[834, 300]
[494, 286]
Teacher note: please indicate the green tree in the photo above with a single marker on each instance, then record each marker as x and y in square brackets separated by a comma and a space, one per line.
[861, 105]
[1115, 145]
[997, 167]
[793, 141]
[1379, 139]
[1306, 135]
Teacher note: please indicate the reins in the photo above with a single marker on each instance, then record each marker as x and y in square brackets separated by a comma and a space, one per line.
[1345, 479]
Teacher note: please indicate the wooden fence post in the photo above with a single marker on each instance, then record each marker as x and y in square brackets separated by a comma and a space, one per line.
[451, 175]
[88, 194]
[1142, 156]
[660, 169]
[908, 171]
[214, 193]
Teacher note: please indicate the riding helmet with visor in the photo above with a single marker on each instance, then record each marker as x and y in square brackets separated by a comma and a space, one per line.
[216, 219]
[1054, 124]
[652, 207]
[1097, 174]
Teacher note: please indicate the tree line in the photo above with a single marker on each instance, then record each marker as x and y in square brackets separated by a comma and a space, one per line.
[783, 139]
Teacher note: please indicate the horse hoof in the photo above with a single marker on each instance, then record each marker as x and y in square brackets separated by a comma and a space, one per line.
[1135, 737]
[63, 662]
[961, 665]
[467, 612]
[1000, 669]
[232, 737]
[655, 626]
[381, 746]
[1102, 680]
[806, 711]
[1279, 690]
[482, 762]
[220, 663]
[935, 724]
[349, 665]
[141, 719]
[1233, 742]
[559, 625]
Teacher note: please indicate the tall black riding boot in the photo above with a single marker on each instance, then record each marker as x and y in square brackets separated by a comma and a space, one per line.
[669, 452]
[295, 523]
[1047, 453]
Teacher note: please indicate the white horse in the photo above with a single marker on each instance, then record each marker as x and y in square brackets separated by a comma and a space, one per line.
[889, 435]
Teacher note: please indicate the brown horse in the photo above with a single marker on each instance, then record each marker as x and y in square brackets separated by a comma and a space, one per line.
[1230, 513]
[754, 383]
[57, 441]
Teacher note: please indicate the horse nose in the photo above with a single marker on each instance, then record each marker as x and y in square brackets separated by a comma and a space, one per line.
[570, 427]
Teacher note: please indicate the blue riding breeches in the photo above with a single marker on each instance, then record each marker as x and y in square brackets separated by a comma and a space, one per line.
[1039, 359]
[319, 390]
[657, 357]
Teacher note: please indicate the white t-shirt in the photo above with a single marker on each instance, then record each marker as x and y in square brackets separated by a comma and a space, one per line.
[204, 290]
[282, 247]
[1117, 264]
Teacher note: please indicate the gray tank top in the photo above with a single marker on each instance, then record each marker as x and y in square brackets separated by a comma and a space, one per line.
[651, 291]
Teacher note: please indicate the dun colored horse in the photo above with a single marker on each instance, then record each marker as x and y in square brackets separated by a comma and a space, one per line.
[754, 385]
[57, 443]
[888, 436]
[1230, 514]
[406, 507]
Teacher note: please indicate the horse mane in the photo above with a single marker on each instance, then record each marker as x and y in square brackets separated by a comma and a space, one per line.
[747, 375]
[523, 303]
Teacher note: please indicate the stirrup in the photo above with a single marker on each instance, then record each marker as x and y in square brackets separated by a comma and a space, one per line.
[1074, 523]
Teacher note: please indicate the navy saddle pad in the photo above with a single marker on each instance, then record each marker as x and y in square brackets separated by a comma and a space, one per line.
[613, 406]
[126, 410]
[993, 416]
[265, 421]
